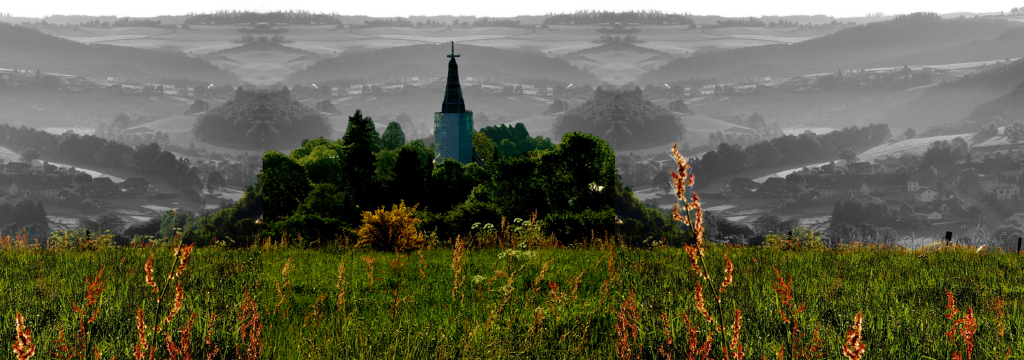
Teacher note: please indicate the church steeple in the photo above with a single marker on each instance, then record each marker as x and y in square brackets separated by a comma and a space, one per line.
[453, 102]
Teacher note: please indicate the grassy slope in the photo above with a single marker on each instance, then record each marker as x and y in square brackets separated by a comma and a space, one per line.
[901, 295]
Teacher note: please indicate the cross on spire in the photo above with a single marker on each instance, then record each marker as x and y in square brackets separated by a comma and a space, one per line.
[453, 54]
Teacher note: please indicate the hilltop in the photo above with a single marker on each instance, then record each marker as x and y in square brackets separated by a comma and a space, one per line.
[262, 62]
[27, 48]
[873, 43]
[623, 118]
[260, 119]
[420, 60]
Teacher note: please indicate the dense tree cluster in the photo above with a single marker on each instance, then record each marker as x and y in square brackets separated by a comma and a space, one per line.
[248, 17]
[610, 17]
[88, 149]
[319, 190]
[515, 140]
[624, 118]
[25, 213]
[259, 120]
[788, 149]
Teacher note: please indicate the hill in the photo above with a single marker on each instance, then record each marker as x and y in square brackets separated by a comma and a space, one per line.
[260, 120]
[262, 62]
[954, 101]
[873, 43]
[1009, 107]
[423, 60]
[27, 48]
[623, 118]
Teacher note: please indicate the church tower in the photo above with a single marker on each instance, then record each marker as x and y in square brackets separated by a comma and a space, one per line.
[453, 126]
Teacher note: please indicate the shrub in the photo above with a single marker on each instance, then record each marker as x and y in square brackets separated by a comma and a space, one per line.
[799, 238]
[391, 230]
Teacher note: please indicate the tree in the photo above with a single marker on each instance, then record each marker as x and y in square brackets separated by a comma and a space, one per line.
[773, 224]
[28, 154]
[361, 141]
[284, 185]
[214, 181]
[910, 133]
[848, 154]
[961, 149]
[663, 181]
[393, 137]
[1014, 132]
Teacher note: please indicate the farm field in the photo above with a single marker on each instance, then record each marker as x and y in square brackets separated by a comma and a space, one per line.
[595, 302]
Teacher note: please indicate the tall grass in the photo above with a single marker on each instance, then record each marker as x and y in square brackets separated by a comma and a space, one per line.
[506, 308]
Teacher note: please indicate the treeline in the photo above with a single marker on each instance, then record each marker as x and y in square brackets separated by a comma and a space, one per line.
[489, 22]
[609, 17]
[88, 149]
[787, 150]
[278, 17]
[24, 214]
[319, 190]
[29, 48]
[624, 118]
[877, 44]
[260, 119]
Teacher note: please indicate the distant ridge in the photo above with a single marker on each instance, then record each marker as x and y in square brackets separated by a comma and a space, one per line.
[874, 43]
[484, 61]
[27, 48]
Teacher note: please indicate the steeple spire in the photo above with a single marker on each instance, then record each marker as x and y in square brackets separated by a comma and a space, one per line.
[453, 102]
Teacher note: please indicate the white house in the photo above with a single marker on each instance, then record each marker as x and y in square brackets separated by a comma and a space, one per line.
[1006, 191]
[934, 215]
[925, 195]
[864, 189]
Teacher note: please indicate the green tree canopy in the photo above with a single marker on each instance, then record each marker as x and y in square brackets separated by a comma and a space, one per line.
[393, 137]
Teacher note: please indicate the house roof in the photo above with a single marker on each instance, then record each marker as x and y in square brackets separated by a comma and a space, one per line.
[923, 190]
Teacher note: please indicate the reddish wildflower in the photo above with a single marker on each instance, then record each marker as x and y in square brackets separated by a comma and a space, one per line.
[728, 276]
[668, 338]
[250, 330]
[178, 296]
[783, 288]
[626, 328]
[691, 252]
[182, 254]
[140, 326]
[149, 274]
[698, 297]
[853, 349]
[736, 346]
[24, 349]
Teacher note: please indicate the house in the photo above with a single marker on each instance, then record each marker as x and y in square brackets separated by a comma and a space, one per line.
[917, 182]
[773, 186]
[40, 190]
[17, 168]
[925, 195]
[742, 185]
[987, 183]
[864, 189]
[1006, 191]
[13, 189]
[862, 167]
[934, 215]
[103, 186]
[827, 193]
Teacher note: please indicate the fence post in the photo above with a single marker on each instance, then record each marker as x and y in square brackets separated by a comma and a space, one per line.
[1018, 244]
[949, 237]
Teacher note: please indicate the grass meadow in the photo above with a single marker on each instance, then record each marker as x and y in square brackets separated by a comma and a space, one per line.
[548, 302]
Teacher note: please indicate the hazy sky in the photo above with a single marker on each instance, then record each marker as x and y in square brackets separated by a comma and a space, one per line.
[39, 8]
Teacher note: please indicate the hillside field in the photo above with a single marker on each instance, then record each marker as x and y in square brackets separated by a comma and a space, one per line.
[594, 302]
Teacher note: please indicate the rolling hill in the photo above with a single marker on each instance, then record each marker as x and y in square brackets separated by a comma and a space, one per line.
[954, 101]
[427, 61]
[27, 48]
[874, 43]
